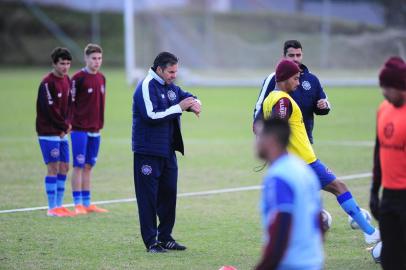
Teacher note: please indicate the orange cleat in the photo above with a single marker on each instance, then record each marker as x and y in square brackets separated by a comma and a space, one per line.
[68, 212]
[80, 210]
[94, 209]
[58, 212]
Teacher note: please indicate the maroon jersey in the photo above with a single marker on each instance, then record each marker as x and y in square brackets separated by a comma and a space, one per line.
[53, 105]
[88, 96]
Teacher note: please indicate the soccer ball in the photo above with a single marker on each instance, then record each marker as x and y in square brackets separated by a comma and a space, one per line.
[326, 219]
[376, 252]
[354, 224]
[228, 267]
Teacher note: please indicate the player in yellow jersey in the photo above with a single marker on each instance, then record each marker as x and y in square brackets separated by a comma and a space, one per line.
[279, 104]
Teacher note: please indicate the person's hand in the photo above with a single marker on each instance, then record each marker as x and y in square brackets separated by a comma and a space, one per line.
[374, 204]
[69, 129]
[196, 108]
[322, 104]
[187, 103]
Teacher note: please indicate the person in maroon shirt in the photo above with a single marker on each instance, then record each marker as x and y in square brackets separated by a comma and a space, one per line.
[88, 98]
[52, 126]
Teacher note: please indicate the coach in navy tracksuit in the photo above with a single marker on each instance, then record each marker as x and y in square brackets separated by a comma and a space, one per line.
[309, 95]
[156, 135]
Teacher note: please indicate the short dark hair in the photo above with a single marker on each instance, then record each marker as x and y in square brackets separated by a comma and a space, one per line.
[278, 128]
[60, 53]
[92, 48]
[164, 59]
[291, 44]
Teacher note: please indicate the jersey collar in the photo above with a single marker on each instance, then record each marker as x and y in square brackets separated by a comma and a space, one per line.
[156, 76]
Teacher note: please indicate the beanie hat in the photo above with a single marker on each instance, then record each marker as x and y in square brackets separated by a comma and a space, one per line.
[393, 74]
[285, 70]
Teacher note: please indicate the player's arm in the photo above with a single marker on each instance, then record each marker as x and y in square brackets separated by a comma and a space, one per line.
[280, 229]
[147, 102]
[47, 104]
[197, 107]
[322, 105]
[376, 182]
[282, 109]
[267, 86]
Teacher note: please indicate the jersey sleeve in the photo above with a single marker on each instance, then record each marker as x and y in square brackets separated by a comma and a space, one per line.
[147, 102]
[47, 105]
[267, 86]
[282, 109]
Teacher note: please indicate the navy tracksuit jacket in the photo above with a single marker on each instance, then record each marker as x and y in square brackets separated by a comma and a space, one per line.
[156, 135]
[306, 96]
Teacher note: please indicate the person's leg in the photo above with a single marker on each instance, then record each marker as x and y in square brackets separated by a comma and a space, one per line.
[146, 174]
[330, 183]
[62, 172]
[92, 152]
[79, 143]
[50, 153]
[392, 255]
[167, 191]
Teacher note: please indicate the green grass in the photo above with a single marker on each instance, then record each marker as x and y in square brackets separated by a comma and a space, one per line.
[218, 230]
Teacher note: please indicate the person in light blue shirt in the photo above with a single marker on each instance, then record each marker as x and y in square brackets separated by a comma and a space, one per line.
[291, 204]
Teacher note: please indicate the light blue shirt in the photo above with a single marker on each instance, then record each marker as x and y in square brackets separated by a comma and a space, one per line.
[291, 186]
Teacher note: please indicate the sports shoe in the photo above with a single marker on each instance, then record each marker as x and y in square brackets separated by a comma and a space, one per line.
[66, 211]
[173, 245]
[156, 248]
[80, 210]
[373, 238]
[57, 212]
[94, 209]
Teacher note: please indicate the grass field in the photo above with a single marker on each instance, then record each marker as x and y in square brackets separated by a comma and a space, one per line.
[218, 229]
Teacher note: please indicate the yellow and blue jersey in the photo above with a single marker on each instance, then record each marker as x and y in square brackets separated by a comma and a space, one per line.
[299, 143]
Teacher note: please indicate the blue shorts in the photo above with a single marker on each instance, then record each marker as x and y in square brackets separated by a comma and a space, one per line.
[325, 175]
[85, 148]
[54, 149]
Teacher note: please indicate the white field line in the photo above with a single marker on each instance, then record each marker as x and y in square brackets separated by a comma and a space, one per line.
[187, 194]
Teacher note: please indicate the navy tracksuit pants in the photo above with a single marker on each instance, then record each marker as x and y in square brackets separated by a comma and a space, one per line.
[155, 180]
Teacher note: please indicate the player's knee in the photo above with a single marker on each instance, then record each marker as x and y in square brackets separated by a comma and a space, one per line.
[63, 168]
[336, 187]
[52, 168]
[87, 167]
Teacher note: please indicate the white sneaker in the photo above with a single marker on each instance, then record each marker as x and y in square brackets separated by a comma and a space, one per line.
[373, 238]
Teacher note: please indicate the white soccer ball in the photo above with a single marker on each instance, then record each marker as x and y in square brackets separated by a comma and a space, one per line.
[376, 252]
[354, 224]
[326, 219]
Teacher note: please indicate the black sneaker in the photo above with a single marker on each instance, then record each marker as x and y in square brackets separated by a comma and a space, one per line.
[172, 245]
[156, 248]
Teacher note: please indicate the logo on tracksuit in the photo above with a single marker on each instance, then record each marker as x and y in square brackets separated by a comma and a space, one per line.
[171, 95]
[146, 169]
[306, 85]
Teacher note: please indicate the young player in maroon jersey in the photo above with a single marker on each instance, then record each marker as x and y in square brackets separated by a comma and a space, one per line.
[53, 125]
[88, 95]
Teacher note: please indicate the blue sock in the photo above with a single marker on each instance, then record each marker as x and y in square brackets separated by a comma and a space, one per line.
[77, 198]
[351, 207]
[86, 197]
[50, 188]
[60, 184]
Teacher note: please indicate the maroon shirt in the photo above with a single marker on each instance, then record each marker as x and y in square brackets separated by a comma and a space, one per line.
[53, 105]
[88, 96]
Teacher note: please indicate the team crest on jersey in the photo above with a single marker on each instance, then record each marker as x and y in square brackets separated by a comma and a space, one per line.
[102, 89]
[306, 85]
[171, 95]
[389, 130]
[90, 90]
[146, 169]
[55, 153]
[80, 159]
[329, 171]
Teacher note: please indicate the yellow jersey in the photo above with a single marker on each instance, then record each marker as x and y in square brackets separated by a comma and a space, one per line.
[299, 143]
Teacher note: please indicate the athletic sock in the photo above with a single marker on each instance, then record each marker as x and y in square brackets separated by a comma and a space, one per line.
[60, 184]
[86, 197]
[77, 198]
[351, 207]
[50, 188]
